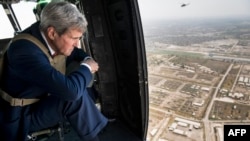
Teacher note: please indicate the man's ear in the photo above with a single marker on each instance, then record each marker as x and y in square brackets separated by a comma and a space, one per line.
[51, 33]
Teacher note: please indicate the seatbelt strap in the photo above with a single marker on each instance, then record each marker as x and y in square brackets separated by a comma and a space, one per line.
[17, 101]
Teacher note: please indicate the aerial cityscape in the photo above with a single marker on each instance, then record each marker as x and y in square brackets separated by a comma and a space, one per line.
[199, 77]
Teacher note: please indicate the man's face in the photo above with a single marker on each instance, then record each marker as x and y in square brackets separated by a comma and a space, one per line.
[65, 43]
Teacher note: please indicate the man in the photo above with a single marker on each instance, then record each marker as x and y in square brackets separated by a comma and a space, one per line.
[29, 74]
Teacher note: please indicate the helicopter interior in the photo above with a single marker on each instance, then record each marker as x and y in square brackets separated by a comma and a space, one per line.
[115, 40]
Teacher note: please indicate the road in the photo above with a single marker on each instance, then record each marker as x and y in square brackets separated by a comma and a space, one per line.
[209, 132]
[235, 81]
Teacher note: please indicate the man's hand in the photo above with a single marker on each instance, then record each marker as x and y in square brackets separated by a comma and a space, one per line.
[93, 64]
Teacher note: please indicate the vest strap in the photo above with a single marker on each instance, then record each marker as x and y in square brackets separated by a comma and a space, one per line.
[17, 101]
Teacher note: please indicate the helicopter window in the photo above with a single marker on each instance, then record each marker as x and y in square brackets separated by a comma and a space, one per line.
[24, 14]
[6, 30]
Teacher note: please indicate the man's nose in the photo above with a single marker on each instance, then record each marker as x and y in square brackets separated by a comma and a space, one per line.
[77, 43]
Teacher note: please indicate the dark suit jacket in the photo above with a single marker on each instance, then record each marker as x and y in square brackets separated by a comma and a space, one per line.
[28, 74]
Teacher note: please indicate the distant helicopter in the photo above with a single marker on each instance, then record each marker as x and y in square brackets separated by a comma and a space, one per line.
[184, 4]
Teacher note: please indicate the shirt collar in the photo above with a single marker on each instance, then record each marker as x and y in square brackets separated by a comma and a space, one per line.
[50, 49]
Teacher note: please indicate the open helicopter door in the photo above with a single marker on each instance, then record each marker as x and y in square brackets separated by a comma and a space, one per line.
[115, 39]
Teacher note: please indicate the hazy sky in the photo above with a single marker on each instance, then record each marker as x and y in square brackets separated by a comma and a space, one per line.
[169, 9]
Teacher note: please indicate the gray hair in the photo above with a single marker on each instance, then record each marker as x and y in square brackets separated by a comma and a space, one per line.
[62, 16]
